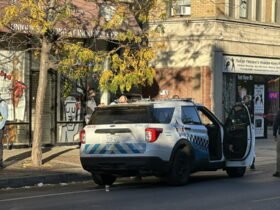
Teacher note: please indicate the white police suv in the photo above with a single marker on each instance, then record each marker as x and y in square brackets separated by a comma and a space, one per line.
[166, 138]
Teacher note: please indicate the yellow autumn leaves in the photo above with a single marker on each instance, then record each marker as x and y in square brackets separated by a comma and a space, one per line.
[28, 12]
[129, 59]
[130, 69]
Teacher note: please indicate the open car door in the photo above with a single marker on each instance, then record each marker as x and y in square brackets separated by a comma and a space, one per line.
[239, 138]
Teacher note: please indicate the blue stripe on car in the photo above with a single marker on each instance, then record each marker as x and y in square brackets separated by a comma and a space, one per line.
[105, 149]
[132, 148]
[93, 150]
[128, 148]
[120, 148]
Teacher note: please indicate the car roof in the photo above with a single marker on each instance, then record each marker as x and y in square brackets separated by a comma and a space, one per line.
[168, 102]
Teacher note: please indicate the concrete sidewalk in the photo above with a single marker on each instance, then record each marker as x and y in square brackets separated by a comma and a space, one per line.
[62, 164]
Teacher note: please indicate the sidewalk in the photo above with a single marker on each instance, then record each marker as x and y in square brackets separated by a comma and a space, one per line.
[61, 164]
[266, 150]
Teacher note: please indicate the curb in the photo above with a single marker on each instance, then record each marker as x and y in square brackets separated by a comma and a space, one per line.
[49, 179]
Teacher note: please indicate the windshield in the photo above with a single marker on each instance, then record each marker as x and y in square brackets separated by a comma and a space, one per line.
[131, 114]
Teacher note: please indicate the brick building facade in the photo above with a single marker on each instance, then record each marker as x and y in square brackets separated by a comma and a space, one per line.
[218, 51]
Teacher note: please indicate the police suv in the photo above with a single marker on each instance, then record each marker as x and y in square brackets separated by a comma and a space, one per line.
[165, 138]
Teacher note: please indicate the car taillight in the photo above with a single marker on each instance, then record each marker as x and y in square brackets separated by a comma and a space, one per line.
[83, 136]
[151, 134]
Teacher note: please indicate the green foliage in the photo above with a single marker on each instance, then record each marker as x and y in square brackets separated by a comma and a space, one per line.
[67, 88]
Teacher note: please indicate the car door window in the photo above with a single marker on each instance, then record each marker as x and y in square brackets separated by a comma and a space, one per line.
[238, 115]
[204, 118]
[190, 115]
[163, 115]
[236, 145]
[214, 133]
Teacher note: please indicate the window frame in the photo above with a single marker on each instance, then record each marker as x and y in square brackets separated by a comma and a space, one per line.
[244, 9]
[231, 8]
[177, 6]
[198, 122]
[259, 10]
[277, 11]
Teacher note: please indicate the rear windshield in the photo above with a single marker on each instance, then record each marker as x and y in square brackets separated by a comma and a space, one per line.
[131, 114]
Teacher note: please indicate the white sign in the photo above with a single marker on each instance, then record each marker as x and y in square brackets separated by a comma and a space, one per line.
[259, 126]
[259, 110]
[259, 99]
[250, 65]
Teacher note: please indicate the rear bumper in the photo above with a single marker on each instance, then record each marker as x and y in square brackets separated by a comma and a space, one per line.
[127, 166]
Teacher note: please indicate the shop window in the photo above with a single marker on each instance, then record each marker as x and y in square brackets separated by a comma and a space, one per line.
[180, 8]
[76, 105]
[71, 111]
[277, 11]
[243, 8]
[229, 93]
[273, 99]
[232, 7]
[259, 5]
[14, 89]
[14, 83]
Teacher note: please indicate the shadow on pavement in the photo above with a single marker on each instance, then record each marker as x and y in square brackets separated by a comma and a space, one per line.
[53, 156]
[21, 156]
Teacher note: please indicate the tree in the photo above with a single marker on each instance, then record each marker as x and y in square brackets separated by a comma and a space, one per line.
[50, 32]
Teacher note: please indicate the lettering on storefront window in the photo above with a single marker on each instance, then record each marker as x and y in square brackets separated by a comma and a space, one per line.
[245, 77]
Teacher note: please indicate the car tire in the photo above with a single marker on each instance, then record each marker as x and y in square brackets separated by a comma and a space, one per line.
[235, 171]
[180, 168]
[103, 179]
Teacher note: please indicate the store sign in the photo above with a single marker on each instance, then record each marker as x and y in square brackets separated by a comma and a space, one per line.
[79, 33]
[273, 95]
[259, 99]
[244, 77]
[250, 65]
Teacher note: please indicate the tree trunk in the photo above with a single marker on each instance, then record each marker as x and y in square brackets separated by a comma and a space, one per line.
[41, 92]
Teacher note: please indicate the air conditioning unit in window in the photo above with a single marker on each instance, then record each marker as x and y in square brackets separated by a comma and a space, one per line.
[180, 10]
[185, 10]
[173, 11]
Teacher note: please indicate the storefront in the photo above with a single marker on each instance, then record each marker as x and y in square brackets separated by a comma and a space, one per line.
[255, 81]
[72, 107]
[14, 83]
[63, 114]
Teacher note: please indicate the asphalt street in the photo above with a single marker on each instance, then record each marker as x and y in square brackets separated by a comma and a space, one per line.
[206, 190]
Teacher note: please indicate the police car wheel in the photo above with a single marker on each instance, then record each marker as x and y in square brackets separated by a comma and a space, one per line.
[235, 171]
[180, 169]
[103, 179]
